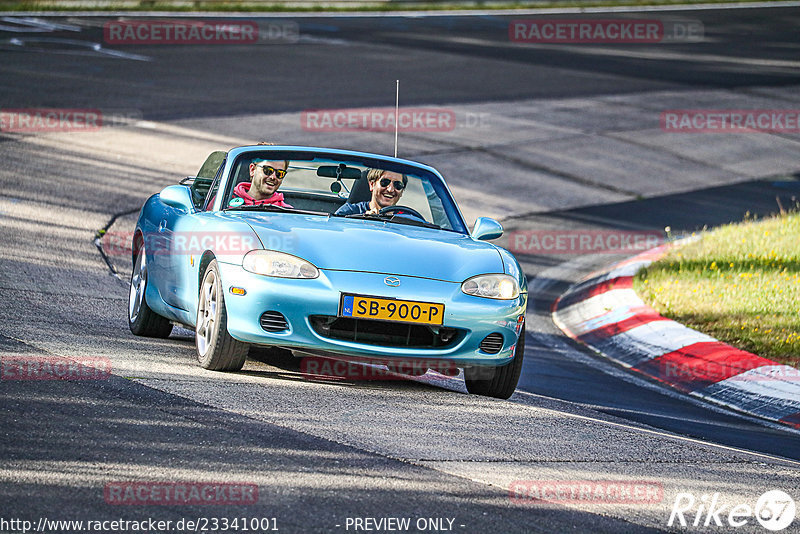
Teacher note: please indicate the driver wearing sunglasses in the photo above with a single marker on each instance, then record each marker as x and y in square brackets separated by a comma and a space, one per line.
[266, 177]
[386, 187]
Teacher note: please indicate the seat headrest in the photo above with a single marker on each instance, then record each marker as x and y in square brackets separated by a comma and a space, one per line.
[244, 173]
[360, 191]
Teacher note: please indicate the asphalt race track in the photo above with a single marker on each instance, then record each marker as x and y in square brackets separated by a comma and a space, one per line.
[547, 137]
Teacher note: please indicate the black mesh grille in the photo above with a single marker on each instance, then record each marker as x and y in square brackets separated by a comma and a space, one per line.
[273, 321]
[492, 343]
[385, 333]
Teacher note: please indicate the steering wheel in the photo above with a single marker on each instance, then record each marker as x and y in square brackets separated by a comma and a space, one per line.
[405, 209]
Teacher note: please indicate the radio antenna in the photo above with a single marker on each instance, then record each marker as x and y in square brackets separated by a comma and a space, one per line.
[396, 114]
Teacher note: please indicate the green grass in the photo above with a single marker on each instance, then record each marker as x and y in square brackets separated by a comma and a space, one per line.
[739, 283]
[393, 5]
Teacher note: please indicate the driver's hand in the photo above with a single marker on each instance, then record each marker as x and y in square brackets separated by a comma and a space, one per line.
[371, 211]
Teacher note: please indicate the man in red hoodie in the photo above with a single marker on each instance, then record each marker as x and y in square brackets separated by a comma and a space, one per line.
[265, 179]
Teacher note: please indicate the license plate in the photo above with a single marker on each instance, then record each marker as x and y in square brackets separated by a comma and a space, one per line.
[406, 311]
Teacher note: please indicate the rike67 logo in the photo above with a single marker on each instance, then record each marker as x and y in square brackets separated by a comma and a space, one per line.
[774, 510]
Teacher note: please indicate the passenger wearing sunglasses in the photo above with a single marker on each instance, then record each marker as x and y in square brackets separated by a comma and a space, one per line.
[266, 177]
[386, 187]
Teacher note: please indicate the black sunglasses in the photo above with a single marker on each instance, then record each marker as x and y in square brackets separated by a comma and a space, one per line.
[398, 185]
[280, 173]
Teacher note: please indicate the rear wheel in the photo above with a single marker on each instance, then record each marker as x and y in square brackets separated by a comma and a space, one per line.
[498, 382]
[141, 319]
[216, 349]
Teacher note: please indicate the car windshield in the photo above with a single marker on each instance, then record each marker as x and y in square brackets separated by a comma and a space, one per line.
[340, 186]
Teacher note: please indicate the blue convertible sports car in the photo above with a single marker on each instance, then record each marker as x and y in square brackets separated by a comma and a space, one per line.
[407, 282]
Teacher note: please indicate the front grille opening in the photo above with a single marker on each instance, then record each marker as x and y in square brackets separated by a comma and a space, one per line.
[385, 333]
[274, 321]
[492, 343]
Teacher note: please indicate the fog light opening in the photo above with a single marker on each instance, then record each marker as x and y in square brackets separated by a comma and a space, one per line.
[446, 334]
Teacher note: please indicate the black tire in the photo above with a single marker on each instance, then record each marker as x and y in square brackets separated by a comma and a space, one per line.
[216, 349]
[499, 382]
[141, 319]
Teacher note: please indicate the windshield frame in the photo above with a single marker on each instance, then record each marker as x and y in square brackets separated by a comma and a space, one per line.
[361, 159]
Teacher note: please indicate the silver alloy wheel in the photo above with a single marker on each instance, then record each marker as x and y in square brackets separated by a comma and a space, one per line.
[138, 285]
[206, 313]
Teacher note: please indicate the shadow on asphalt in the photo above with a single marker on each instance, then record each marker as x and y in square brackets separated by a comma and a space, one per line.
[551, 372]
[683, 212]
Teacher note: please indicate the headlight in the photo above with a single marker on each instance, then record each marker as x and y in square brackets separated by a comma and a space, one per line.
[278, 264]
[491, 286]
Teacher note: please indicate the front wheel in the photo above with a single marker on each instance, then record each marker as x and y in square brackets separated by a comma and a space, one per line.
[216, 349]
[141, 319]
[498, 382]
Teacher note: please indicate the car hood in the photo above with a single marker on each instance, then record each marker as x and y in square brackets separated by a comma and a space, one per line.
[336, 243]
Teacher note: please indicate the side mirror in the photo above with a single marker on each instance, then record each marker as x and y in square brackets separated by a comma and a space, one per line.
[177, 196]
[486, 229]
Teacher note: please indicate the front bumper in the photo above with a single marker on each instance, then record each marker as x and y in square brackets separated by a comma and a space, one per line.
[297, 300]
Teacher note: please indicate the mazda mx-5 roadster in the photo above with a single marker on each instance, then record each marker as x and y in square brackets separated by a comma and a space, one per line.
[326, 267]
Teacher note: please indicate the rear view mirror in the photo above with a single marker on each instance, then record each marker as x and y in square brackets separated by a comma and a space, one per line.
[339, 172]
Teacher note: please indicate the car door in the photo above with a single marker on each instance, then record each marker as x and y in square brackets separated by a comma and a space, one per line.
[180, 233]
